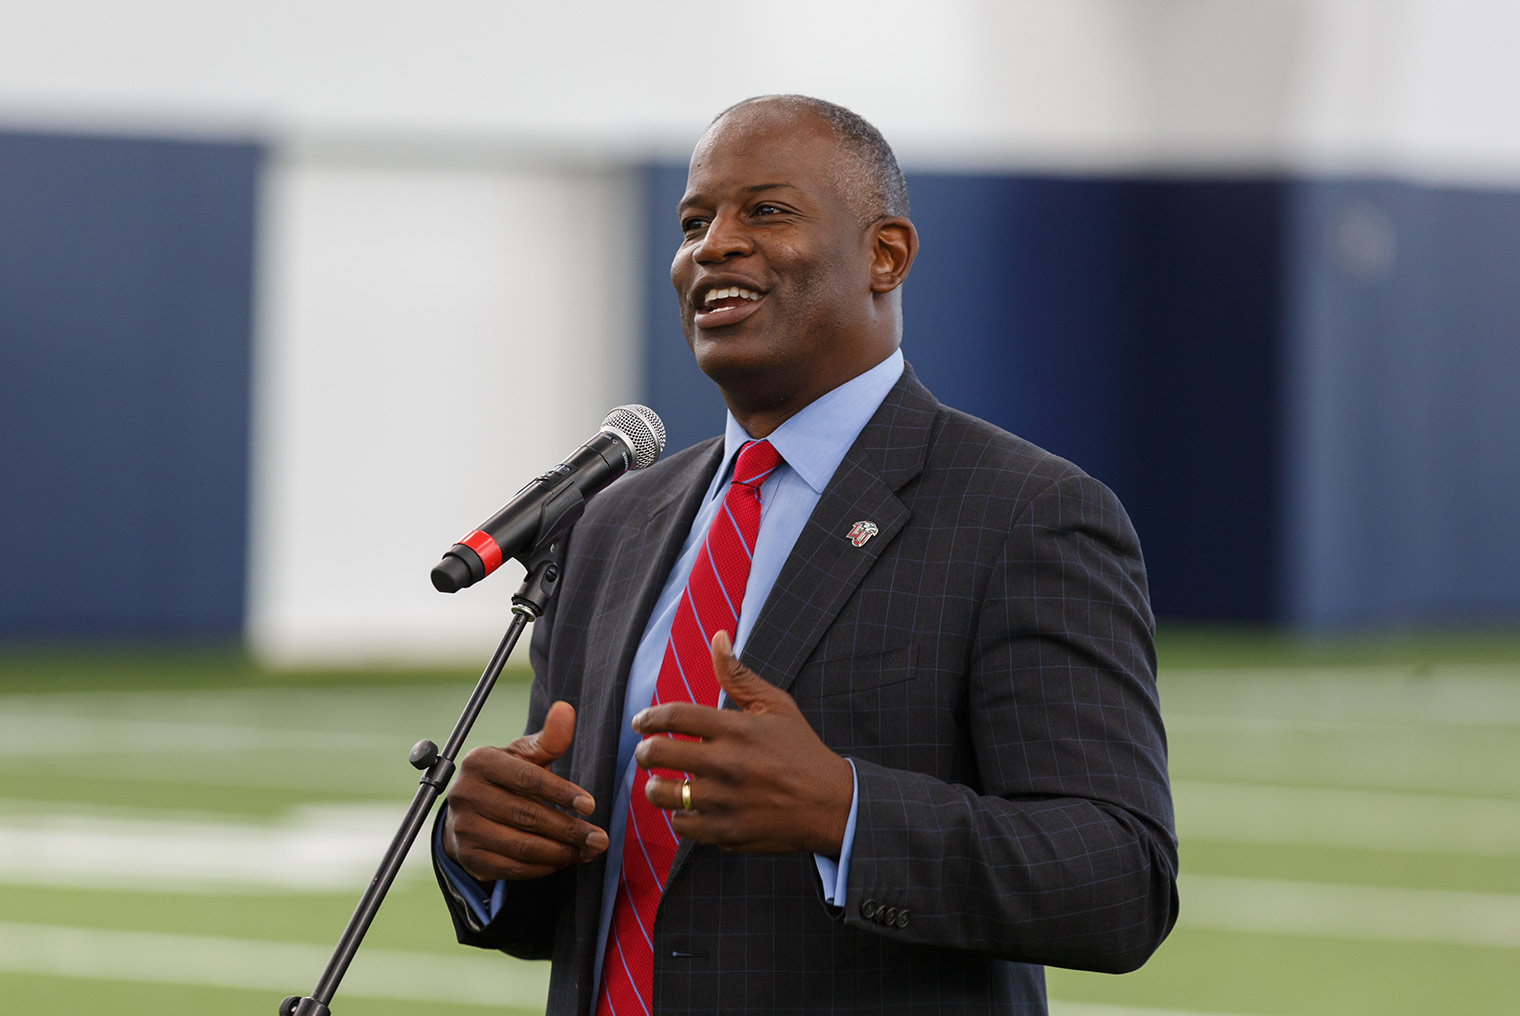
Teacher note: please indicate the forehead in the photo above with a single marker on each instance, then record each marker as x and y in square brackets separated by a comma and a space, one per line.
[765, 146]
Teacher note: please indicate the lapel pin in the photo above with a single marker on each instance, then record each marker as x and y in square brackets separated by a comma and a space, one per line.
[860, 532]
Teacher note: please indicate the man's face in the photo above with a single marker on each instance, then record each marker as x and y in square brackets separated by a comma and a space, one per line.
[773, 273]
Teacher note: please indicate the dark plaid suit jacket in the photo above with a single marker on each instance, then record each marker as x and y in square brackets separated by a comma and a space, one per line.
[985, 660]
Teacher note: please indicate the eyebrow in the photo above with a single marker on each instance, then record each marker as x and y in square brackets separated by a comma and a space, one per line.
[754, 188]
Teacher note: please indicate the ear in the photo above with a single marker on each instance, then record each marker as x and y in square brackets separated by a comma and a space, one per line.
[894, 245]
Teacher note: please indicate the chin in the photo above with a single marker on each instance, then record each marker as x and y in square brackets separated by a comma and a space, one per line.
[752, 382]
[731, 355]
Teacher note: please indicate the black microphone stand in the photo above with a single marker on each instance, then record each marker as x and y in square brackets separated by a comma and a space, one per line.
[437, 767]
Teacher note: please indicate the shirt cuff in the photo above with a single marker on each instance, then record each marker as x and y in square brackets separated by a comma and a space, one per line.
[835, 875]
[483, 900]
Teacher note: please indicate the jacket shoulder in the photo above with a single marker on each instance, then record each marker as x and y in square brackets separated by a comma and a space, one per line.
[642, 491]
[983, 460]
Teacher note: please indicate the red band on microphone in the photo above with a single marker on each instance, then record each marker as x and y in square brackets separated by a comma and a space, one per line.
[490, 553]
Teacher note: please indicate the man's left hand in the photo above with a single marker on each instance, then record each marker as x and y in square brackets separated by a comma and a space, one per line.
[761, 780]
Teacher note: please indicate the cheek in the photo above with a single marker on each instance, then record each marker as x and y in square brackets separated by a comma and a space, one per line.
[682, 267]
[822, 289]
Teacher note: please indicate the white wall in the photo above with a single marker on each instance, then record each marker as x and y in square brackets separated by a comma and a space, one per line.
[1428, 85]
[431, 337]
[448, 201]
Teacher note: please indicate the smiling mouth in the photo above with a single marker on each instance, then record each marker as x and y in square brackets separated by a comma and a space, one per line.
[726, 306]
[733, 296]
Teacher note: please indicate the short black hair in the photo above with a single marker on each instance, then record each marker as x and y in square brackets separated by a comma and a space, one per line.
[875, 184]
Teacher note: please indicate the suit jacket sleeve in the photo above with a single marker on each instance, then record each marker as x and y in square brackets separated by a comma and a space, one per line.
[1057, 846]
[524, 924]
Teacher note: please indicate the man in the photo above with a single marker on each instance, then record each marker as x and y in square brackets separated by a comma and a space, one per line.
[941, 761]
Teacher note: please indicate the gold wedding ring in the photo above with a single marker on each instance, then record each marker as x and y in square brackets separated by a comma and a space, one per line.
[686, 794]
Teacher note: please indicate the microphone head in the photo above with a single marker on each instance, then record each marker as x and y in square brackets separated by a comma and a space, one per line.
[640, 429]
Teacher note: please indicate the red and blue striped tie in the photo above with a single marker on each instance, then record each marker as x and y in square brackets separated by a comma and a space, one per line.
[714, 593]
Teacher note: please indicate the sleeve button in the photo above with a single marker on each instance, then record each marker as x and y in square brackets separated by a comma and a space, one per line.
[868, 909]
[902, 918]
[889, 916]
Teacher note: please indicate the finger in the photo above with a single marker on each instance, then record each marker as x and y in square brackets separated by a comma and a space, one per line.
[513, 856]
[705, 829]
[489, 868]
[675, 755]
[669, 793]
[683, 718]
[664, 793]
[480, 848]
[505, 769]
[527, 816]
[717, 831]
[745, 687]
[552, 741]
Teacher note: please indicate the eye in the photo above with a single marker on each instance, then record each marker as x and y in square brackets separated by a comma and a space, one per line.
[692, 224]
[768, 209]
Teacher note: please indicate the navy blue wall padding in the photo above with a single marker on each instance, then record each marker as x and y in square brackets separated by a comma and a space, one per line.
[124, 349]
[1132, 326]
[1404, 435]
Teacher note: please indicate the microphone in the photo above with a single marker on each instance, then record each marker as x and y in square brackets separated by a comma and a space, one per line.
[631, 437]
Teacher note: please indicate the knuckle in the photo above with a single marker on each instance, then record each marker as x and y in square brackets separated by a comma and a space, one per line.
[459, 824]
[522, 815]
[516, 774]
[527, 851]
[711, 799]
[475, 861]
[465, 795]
[523, 746]
[476, 759]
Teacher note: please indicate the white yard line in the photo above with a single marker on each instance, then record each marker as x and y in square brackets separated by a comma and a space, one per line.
[310, 849]
[466, 978]
[1060, 1008]
[1184, 722]
[1333, 910]
[30, 736]
[1325, 698]
[341, 778]
[363, 707]
[1331, 817]
[333, 848]
[281, 968]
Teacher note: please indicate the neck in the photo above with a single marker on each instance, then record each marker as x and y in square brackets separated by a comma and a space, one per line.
[763, 423]
[764, 400]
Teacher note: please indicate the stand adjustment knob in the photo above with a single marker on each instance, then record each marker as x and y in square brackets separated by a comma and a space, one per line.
[424, 754]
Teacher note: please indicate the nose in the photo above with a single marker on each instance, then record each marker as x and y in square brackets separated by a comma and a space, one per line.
[725, 237]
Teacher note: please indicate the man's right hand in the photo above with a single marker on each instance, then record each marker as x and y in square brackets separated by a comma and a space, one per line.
[510, 817]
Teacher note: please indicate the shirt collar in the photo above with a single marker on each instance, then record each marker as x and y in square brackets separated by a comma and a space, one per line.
[814, 440]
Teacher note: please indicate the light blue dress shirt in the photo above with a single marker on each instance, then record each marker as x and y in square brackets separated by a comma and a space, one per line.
[812, 444]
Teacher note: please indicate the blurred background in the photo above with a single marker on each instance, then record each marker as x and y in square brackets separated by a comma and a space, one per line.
[294, 294]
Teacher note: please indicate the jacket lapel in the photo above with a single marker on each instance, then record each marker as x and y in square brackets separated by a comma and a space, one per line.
[825, 567]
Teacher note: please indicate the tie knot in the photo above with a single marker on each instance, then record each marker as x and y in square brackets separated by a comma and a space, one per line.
[755, 461]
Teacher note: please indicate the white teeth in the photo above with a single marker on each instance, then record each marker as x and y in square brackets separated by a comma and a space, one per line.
[714, 295]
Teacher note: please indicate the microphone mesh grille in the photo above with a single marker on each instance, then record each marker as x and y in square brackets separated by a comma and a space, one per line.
[641, 429]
